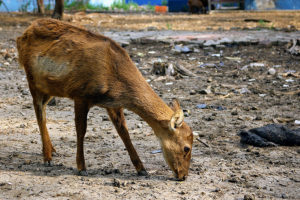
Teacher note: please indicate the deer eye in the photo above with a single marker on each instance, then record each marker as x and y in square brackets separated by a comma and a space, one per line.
[186, 149]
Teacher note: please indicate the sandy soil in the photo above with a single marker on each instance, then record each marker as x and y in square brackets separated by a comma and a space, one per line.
[283, 20]
[221, 167]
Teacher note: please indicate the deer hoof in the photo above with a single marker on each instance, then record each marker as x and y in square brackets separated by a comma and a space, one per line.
[82, 173]
[48, 163]
[143, 173]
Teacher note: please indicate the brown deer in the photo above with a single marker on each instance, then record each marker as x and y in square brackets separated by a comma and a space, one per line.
[66, 61]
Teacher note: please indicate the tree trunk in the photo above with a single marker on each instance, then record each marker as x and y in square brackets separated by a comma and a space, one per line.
[58, 10]
[41, 7]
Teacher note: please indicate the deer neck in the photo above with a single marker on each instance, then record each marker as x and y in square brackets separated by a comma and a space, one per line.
[149, 106]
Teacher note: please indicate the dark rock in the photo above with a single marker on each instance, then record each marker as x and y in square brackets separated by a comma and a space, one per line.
[271, 135]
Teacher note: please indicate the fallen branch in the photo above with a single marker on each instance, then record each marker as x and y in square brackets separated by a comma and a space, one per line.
[183, 71]
[203, 142]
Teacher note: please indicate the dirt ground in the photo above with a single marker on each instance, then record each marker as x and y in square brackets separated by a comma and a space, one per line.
[238, 97]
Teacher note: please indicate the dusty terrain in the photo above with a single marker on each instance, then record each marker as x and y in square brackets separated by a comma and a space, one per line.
[239, 98]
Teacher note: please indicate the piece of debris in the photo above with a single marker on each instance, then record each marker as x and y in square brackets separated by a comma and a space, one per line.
[244, 91]
[204, 106]
[212, 65]
[293, 47]
[182, 49]
[202, 142]
[201, 106]
[289, 80]
[253, 65]
[159, 68]
[271, 135]
[257, 65]
[170, 71]
[291, 73]
[216, 55]
[236, 59]
[297, 122]
[163, 69]
[156, 151]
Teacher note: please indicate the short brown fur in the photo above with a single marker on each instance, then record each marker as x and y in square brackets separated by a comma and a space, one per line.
[62, 60]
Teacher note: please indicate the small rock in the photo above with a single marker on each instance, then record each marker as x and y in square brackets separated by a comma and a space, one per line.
[116, 183]
[196, 133]
[272, 71]
[262, 95]
[297, 122]
[258, 118]
[192, 92]
[140, 54]
[284, 196]
[210, 118]
[105, 118]
[186, 113]
[5, 186]
[249, 197]
[234, 112]
[217, 190]
[6, 63]
[22, 126]
[24, 92]
[205, 91]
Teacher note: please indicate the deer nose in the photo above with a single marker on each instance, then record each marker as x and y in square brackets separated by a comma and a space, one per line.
[183, 178]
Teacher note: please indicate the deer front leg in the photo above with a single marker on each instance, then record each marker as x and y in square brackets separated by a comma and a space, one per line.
[118, 119]
[40, 101]
[81, 111]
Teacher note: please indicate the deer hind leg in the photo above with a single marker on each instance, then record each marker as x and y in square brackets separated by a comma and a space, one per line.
[118, 119]
[81, 112]
[40, 101]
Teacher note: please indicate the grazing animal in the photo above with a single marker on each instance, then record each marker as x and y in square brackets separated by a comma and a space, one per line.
[195, 6]
[66, 61]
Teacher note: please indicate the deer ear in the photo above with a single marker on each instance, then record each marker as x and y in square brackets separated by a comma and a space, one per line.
[176, 120]
[175, 105]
